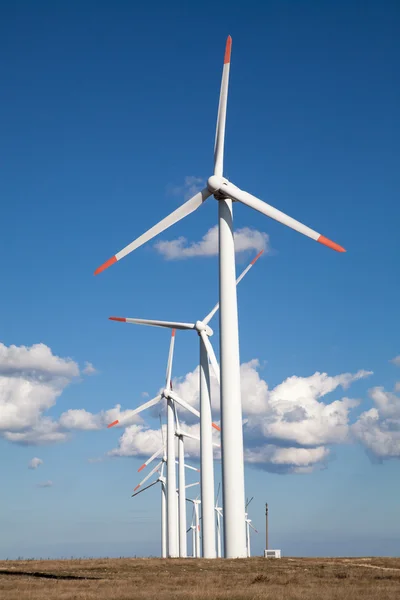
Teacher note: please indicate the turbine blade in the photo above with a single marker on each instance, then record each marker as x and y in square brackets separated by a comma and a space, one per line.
[189, 467]
[239, 195]
[178, 214]
[145, 488]
[135, 411]
[219, 487]
[192, 484]
[238, 280]
[162, 431]
[192, 468]
[221, 118]
[153, 323]
[253, 527]
[189, 435]
[170, 358]
[152, 457]
[211, 354]
[184, 404]
[148, 475]
[188, 407]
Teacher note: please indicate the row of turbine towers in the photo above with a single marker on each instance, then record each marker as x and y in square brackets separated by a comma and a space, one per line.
[233, 489]
[173, 506]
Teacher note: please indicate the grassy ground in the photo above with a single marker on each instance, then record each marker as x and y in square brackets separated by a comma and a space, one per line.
[251, 579]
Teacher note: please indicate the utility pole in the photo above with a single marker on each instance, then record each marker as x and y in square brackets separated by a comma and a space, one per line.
[266, 525]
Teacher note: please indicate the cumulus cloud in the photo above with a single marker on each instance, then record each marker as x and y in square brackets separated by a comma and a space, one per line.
[89, 369]
[138, 440]
[45, 484]
[83, 420]
[245, 239]
[35, 463]
[286, 429]
[31, 380]
[396, 360]
[189, 188]
[36, 362]
[142, 441]
[287, 460]
[378, 429]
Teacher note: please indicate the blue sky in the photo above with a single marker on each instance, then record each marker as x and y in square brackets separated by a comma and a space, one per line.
[107, 108]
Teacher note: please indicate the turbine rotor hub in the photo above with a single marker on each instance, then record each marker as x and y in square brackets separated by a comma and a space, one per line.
[200, 326]
[215, 185]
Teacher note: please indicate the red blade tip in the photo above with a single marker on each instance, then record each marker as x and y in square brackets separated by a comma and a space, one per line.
[112, 424]
[142, 467]
[257, 257]
[136, 488]
[173, 333]
[105, 265]
[216, 427]
[228, 47]
[122, 319]
[326, 242]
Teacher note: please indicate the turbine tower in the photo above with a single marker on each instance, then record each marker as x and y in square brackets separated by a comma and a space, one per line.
[225, 193]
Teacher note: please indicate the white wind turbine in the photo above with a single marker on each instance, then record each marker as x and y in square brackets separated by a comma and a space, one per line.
[248, 525]
[171, 398]
[204, 332]
[160, 479]
[180, 434]
[231, 407]
[195, 528]
[218, 511]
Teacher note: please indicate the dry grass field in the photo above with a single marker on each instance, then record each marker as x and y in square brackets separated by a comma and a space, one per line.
[156, 579]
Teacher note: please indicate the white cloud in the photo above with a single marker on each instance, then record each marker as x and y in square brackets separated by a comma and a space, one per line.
[138, 440]
[89, 369]
[81, 419]
[286, 429]
[35, 463]
[378, 429]
[142, 441]
[396, 360]
[397, 386]
[287, 460]
[45, 484]
[245, 239]
[31, 380]
[189, 188]
[37, 362]
[292, 411]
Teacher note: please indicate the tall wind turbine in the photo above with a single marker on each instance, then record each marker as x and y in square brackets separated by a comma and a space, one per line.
[231, 406]
[204, 332]
[171, 398]
[160, 479]
[248, 525]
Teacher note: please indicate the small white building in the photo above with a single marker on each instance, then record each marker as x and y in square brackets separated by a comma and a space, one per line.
[272, 554]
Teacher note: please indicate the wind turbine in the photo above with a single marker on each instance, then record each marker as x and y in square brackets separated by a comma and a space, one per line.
[180, 434]
[225, 193]
[204, 332]
[218, 511]
[171, 398]
[248, 525]
[161, 479]
[196, 536]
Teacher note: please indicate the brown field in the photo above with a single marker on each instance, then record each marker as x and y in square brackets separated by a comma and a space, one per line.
[251, 579]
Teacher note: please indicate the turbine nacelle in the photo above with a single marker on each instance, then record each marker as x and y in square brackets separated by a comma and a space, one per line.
[215, 185]
[200, 326]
